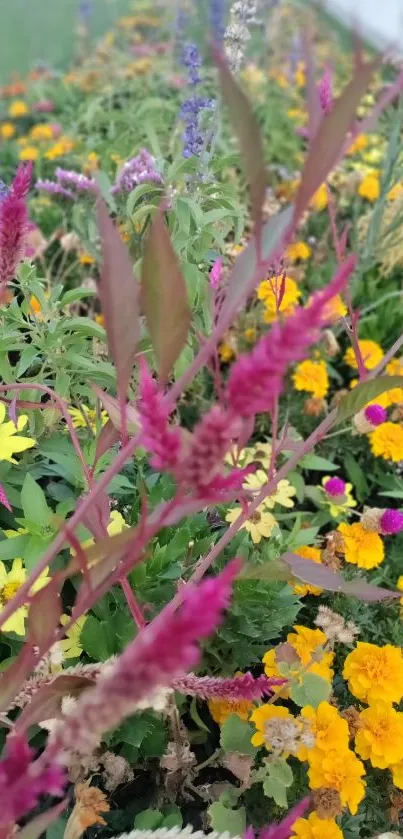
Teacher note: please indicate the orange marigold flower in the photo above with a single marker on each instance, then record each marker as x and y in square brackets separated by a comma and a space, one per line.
[361, 547]
[375, 673]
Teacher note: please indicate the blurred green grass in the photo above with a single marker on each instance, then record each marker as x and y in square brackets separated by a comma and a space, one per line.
[45, 30]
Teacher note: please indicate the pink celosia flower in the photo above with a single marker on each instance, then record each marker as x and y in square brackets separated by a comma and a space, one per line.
[13, 224]
[159, 437]
[284, 829]
[160, 653]
[3, 498]
[325, 91]
[209, 443]
[215, 274]
[23, 781]
[256, 379]
[237, 688]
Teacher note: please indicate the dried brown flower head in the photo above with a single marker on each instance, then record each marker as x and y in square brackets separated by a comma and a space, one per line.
[327, 803]
[313, 406]
[90, 803]
[353, 719]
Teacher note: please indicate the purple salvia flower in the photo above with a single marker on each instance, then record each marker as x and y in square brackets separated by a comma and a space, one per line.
[3, 499]
[244, 687]
[391, 522]
[138, 170]
[14, 224]
[215, 274]
[75, 179]
[217, 19]
[194, 136]
[161, 653]
[335, 487]
[162, 440]
[284, 829]
[257, 379]
[23, 781]
[325, 91]
[192, 61]
[375, 414]
[54, 189]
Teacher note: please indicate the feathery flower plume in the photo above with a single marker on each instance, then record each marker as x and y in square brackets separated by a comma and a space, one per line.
[209, 444]
[3, 498]
[240, 687]
[160, 653]
[159, 438]
[54, 189]
[13, 224]
[21, 785]
[256, 380]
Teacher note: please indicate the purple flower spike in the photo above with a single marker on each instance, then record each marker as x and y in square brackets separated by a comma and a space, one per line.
[284, 829]
[335, 487]
[325, 91]
[375, 414]
[391, 522]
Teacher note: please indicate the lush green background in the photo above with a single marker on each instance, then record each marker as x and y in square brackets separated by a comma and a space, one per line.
[45, 30]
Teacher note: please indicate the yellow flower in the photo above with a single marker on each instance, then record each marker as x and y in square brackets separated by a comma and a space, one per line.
[380, 735]
[261, 716]
[341, 770]
[250, 334]
[17, 109]
[315, 828]
[282, 495]
[63, 146]
[300, 76]
[311, 377]
[371, 353]
[395, 368]
[369, 188]
[315, 555]
[90, 163]
[340, 505]
[86, 417]
[10, 583]
[86, 258]
[298, 115]
[28, 153]
[308, 644]
[100, 320]
[396, 192]
[335, 309]
[299, 252]
[42, 131]
[397, 776]
[328, 727]
[252, 75]
[9, 443]
[319, 201]
[259, 525]
[361, 547]
[387, 441]
[375, 672]
[7, 130]
[360, 143]
[70, 645]
[226, 352]
[278, 288]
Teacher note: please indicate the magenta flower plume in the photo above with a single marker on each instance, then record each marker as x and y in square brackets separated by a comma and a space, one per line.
[256, 379]
[209, 444]
[284, 829]
[161, 653]
[215, 274]
[23, 782]
[391, 522]
[238, 688]
[22, 181]
[14, 224]
[3, 498]
[159, 437]
[325, 91]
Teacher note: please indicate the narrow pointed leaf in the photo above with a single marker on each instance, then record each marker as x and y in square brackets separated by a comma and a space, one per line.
[364, 393]
[112, 406]
[248, 132]
[108, 437]
[319, 575]
[164, 297]
[328, 143]
[44, 615]
[118, 292]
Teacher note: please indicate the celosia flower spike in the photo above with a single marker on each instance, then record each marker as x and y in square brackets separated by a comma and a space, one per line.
[325, 91]
[21, 785]
[22, 181]
[162, 440]
[284, 829]
[13, 225]
[160, 653]
[256, 380]
[244, 687]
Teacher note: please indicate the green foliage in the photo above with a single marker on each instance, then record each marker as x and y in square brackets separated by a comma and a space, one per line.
[236, 736]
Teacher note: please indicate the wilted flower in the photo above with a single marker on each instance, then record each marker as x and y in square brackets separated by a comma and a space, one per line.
[335, 627]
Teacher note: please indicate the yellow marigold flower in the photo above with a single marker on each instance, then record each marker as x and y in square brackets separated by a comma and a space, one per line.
[7, 130]
[261, 716]
[86, 258]
[315, 828]
[328, 727]
[71, 646]
[371, 353]
[380, 735]
[369, 188]
[394, 368]
[227, 352]
[42, 131]
[311, 377]
[28, 153]
[361, 547]
[299, 252]
[319, 201]
[335, 309]
[100, 320]
[259, 525]
[397, 777]
[9, 443]
[10, 583]
[360, 143]
[86, 417]
[63, 146]
[17, 109]
[341, 770]
[375, 673]
[307, 643]
[90, 803]
[387, 441]
[298, 114]
[278, 288]
[315, 555]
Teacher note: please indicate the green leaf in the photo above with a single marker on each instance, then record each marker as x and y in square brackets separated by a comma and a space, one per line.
[281, 772]
[94, 639]
[148, 820]
[274, 789]
[365, 392]
[196, 716]
[76, 294]
[357, 476]
[105, 189]
[164, 297]
[133, 731]
[236, 736]
[223, 820]
[27, 358]
[306, 536]
[318, 464]
[312, 690]
[11, 548]
[33, 502]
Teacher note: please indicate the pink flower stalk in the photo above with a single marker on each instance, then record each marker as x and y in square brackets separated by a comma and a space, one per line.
[238, 688]
[284, 829]
[162, 440]
[210, 442]
[335, 487]
[14, 224]
[22, 782]
[225, 486]
[160, 653]
[256, 380]
[391, 522]
[215, 274]
[3, 499]
[325, 91]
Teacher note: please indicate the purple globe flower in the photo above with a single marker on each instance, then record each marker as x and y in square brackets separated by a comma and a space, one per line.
[335, 487]
[391, 521]
[375, 414]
